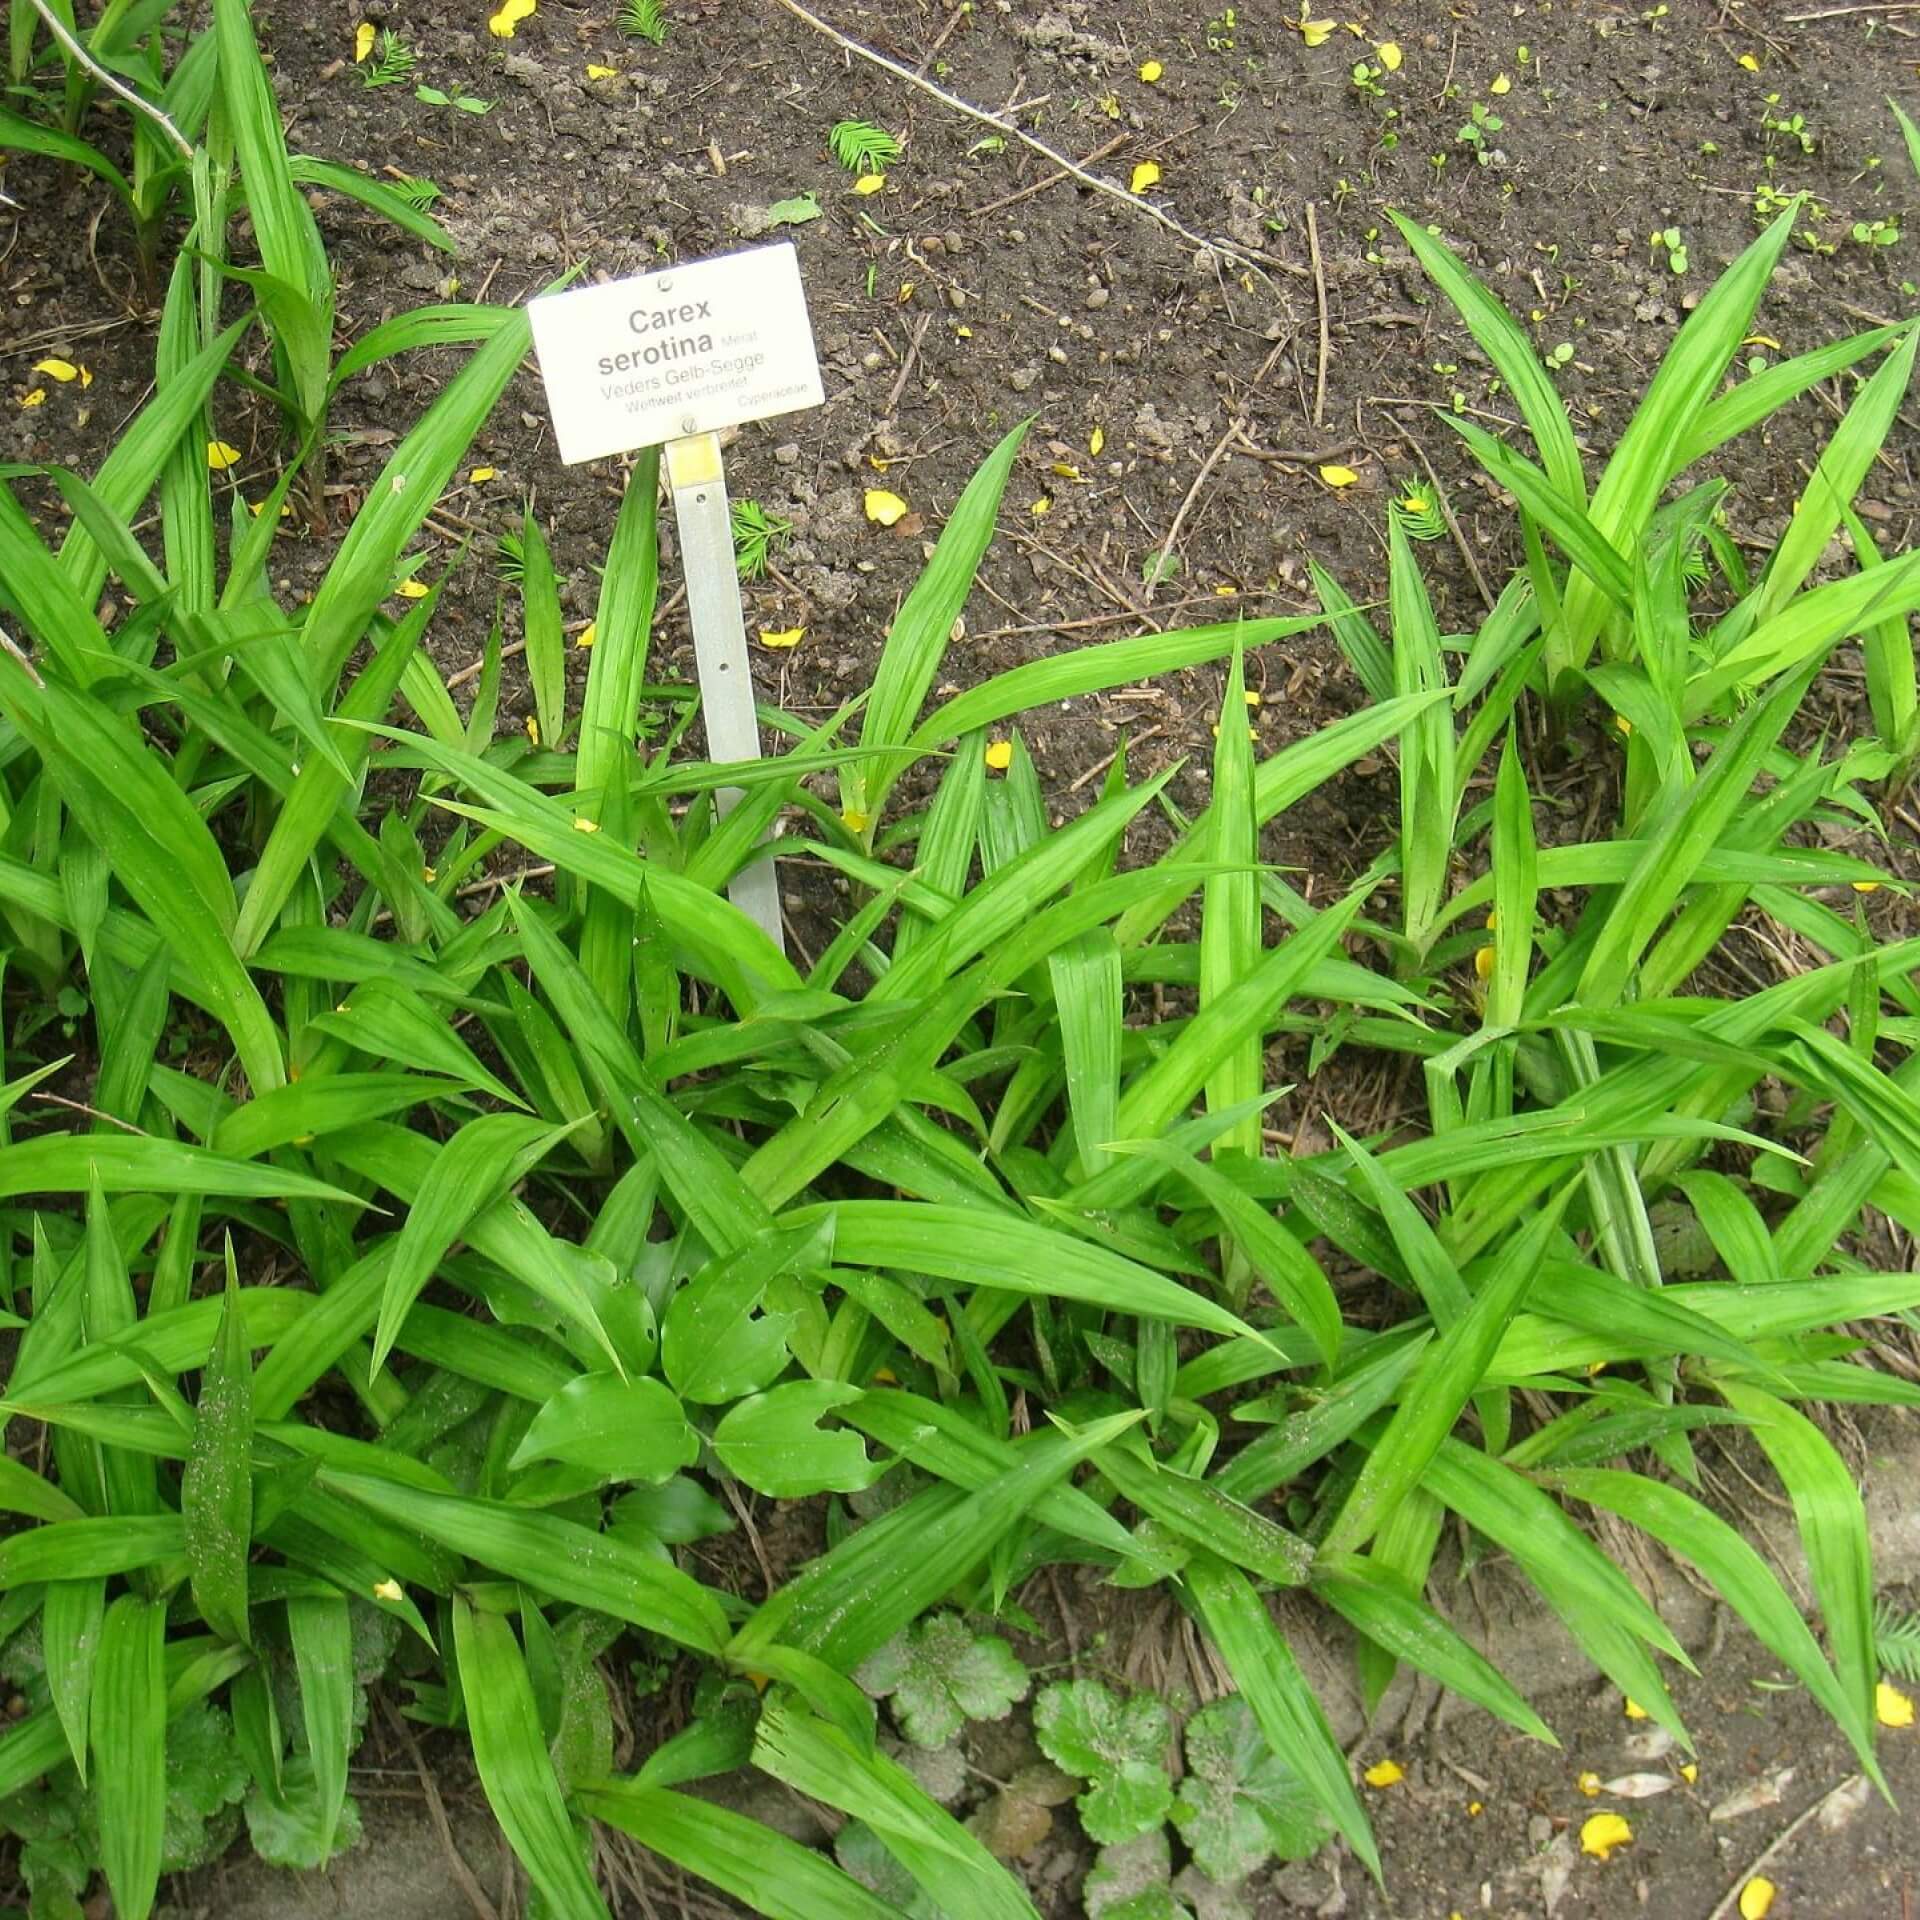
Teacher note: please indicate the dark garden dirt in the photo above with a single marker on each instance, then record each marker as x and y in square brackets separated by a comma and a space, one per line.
[1184, 400]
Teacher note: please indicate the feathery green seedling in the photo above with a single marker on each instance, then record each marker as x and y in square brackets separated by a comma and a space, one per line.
[393, 62]
[644, 20]
[861, 147]
[757, 536]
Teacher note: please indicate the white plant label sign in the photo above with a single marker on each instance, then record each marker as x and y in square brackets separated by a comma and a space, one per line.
[636, 363]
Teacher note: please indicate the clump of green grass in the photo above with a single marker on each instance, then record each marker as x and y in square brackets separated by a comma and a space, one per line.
[468, 1198]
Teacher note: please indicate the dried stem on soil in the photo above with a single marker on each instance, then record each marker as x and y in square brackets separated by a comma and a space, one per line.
[1111, 188]
[114, 85]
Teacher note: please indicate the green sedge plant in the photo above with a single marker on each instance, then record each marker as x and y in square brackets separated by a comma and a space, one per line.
[469, 1199]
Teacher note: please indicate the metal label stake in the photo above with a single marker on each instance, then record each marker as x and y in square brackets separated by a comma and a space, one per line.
[666, 359]
[698, 478]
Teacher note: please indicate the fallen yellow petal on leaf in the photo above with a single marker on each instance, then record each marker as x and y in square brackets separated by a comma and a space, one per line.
[1337, 476]
[413, 589]
[1756, 1898]
[533, 730]
[584, 825]
[1632, 1708]
[1865, 886]
[1891, 1707]
[999, 755]
[61, 370]
[786, 637]
[870, 183]
[1483, 969]
[587, 635]
[481, 474]
[363, 39]
[854, 820]
[1145, 175]
[37, 398]
[1390, 55]
[1750, 63]
[1499, 84]
[884, 508]
[1150, 71]
[602, 73]
[1384, 1773]
[386, 1589]
[221, 456]
[1600, 1833]
[1096, 440]
[512, 12]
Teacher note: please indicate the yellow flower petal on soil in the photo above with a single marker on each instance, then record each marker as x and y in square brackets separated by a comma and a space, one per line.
[786, 637]
[1096, 440]
[221, 456]
[1891, 1707]
[364, 35]
[602, 73]
[1756, 1898]
[1761, 340]
[1316, 33]
[386, 1589]
[1041, 507]
[37, 398]
[1066, 470]
[1390, 55]
[1474, 1809]
[1588, 1783]
[1146, 174]
[1337, 476]
[413, 589]
[963, 333]
[480, 475]
[1750, 63]
[884, 508]
[1689, 1772]
[870, 183]
[999, 755]
[1384, 1773]
[587, 635]
[512, 12]
[1600, 1833]
[86, 374]
[61, 370]
[1634, 1710]
[1499, 84]
[1150, 71]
